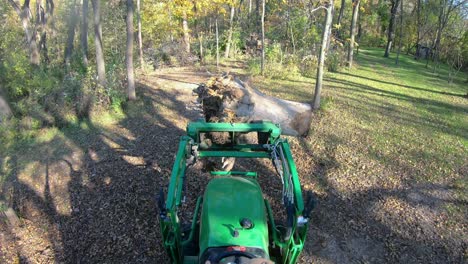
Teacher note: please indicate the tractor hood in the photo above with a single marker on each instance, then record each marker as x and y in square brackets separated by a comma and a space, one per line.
[233, 214]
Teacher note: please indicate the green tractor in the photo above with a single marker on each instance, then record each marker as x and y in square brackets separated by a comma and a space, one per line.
[232, 222]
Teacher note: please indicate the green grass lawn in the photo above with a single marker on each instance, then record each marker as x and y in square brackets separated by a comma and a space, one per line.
[403, 123]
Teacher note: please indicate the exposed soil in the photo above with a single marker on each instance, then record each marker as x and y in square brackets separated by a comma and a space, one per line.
[89, 196]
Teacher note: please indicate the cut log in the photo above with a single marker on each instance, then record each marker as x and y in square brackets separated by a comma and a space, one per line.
[228, 99]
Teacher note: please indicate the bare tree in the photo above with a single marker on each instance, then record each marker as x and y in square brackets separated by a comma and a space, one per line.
[322, 55]
[391, 26]
[353, 32]
[129, 53]
[101, 67]
[84, 32]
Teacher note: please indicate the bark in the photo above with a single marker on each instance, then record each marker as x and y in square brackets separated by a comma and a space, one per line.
[263, 37]
[250, 7]
[129, 52]
[353, 32]
[391, 27]
[321, 62]
[140, 40]
[227, 99]
[101, 67]
[73, 20]
[84, 32]
[401, 33]
[185, 28]
[229, 40]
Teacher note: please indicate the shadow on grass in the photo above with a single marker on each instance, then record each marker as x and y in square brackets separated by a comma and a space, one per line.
[437, 107]
[404, 86]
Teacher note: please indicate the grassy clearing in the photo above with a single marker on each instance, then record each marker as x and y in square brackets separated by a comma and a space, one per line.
[403, 123]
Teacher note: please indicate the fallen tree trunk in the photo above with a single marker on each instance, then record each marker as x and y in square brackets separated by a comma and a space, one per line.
[228, 99]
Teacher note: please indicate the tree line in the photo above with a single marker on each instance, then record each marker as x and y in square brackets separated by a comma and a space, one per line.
[272, 37]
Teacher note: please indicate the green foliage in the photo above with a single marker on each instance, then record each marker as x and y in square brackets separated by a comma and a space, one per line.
[373, 41]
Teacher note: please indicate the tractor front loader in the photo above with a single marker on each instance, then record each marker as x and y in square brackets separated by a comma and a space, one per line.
[232, 222]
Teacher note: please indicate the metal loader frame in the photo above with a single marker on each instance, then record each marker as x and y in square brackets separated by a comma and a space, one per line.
[288, 246]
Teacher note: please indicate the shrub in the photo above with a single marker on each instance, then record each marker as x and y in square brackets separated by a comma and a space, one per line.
[335, 60]
[309, 66]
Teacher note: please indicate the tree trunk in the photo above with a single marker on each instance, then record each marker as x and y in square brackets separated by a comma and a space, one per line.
[321, 62]
[140, 41]
[185, 28]
[84, 33]
[340, 17]
[73, 20]
[250, 7]
[401, 33]
[41, 24]
[263, 37]
[227, 99]
[25, 15]
[229, 40]
[418, 33]
[5, 110]
[391, 27]
[217, 44]
[200, 39]
[101, 67]
[353, 32]
[129, 53]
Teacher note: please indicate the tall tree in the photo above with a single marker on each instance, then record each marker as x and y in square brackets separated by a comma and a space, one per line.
[353, 32]
[340, 17]
[129, 53]
[186, 31]
[217, 44]
[391, 26]
[446, 9]
[263, 36]
[101, 67]
[229, 38]
[140, 41]
[41, 22]
[401, 33]
[72, 22]
[322, 54]
[84, 32]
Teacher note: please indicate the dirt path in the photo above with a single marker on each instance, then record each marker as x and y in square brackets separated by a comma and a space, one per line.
[88, 194]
